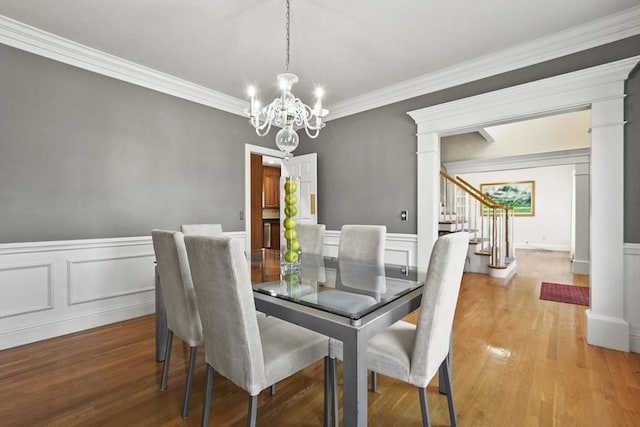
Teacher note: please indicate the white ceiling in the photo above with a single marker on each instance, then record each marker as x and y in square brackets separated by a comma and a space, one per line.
[350, 47]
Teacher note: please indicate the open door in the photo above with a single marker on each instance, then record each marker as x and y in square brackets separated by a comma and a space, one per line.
[306, 167]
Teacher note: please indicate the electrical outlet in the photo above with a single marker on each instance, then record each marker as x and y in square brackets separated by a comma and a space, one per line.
[404, 215]
[241, 215]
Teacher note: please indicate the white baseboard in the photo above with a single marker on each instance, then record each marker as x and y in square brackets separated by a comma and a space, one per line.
[634, 341]
[607, 332]
[580, 267]
[63, 326]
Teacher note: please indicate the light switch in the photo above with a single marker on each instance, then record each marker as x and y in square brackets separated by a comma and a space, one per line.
[404, 215]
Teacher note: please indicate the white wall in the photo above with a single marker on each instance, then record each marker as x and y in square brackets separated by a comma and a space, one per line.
[550, 227]
[553, 133]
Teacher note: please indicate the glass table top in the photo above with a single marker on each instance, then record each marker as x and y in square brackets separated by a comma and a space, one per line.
[343, 287]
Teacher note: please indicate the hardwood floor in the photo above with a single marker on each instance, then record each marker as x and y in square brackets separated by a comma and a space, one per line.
[518, 361]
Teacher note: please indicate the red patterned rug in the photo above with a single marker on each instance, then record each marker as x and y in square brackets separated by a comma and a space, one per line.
[564, 293]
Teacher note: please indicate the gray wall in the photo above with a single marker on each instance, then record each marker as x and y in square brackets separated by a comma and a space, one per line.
[367, 162]
[87, 156]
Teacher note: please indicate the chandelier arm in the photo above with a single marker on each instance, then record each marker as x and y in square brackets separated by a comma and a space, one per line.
[314, 135]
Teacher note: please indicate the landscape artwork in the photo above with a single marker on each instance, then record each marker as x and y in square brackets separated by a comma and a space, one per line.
[519, 195]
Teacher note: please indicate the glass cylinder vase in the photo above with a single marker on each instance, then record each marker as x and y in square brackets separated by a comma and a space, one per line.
[290, 206]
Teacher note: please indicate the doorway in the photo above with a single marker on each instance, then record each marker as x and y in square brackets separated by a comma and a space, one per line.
[602, 89]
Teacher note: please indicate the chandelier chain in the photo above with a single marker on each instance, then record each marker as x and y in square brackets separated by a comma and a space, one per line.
[288, 28]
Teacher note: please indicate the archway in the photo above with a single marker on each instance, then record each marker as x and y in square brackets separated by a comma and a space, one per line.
[600, 88]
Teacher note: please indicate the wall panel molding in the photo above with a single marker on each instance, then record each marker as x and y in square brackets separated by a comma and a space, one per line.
[96, 283]
[14, 291]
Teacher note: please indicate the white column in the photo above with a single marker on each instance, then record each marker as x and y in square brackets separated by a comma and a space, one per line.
[428, 194]
[581, 219]
[606, 326]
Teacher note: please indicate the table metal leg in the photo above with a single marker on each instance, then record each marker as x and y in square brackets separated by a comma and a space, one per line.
[355, 380]
[161, 321]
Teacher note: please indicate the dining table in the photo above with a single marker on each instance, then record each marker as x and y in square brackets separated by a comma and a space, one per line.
[341, 298]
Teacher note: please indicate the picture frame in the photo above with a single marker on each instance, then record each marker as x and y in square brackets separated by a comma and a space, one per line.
[521, 195]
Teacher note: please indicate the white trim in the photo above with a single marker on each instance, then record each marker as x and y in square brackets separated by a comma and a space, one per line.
[66, 245]
[484, 133]
[535, 99]
[22, 36]
[524, 161]
[580, 267]
[632, 293]
[600, 88]
[606, 30]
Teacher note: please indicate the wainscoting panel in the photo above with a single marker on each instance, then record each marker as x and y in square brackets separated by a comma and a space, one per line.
[100, 278]
[25, 289]
[48, 289]
[632, 293]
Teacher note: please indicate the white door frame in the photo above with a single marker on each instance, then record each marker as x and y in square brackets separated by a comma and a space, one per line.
[248, 150]
[600, 88]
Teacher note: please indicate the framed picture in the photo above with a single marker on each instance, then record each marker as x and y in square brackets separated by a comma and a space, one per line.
[521, 195]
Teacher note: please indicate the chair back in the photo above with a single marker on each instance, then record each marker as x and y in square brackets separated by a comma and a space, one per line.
[201, 229]
[311, 238]
[362, 243]
[222, 282]
[183, 318]
[438, 306]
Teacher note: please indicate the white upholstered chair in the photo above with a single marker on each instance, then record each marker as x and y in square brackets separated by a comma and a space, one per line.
[201, 229]
[251, 351]
[362, 243]
[361, 251]
[415, 353]
[311, 238]
[183, 318]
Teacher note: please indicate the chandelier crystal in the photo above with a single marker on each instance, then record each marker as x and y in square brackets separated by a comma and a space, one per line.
[287, 111]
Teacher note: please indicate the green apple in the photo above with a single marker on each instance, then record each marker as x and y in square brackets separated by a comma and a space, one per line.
[290, 234]
[290, 199]
[290, 187]
[290, 211]
[293, 245]
[289, 223]
[291, 256]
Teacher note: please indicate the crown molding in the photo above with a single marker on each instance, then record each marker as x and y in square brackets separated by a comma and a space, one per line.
[606, 30]
[25, 37]
[595, 33]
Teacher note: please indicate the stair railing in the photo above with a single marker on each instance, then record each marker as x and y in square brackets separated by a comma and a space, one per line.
[488, 223]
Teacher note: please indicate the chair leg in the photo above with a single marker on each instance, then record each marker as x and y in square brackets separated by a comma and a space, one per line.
[374, 382]
[273, 389]
[206, 407]
[327, 392]
[167, 360]
[333, 371]
[424, 407]
[448, 377]
[253, 410]
[189, 386]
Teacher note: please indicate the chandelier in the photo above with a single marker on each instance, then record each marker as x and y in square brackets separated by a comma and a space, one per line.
[287, 111]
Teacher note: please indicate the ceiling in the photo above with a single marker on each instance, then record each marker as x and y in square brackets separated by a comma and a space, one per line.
[350, 47]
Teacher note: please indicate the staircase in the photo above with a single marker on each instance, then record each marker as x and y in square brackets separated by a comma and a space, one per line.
[489, 224]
